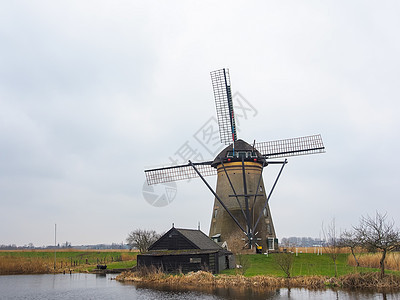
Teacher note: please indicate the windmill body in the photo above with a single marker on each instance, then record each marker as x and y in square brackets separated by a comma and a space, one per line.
[241, 205]
[244, 197]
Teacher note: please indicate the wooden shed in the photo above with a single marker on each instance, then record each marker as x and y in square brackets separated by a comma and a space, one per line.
[185, 250]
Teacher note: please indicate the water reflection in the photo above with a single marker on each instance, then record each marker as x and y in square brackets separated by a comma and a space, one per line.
[89, 286]
[238, 293]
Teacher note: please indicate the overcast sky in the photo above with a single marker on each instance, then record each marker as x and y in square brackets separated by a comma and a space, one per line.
[94, 92]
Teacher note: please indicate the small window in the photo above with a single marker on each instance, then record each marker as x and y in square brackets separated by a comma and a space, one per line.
[215, 213]
[195, 260]
[271, 243]
[265, 212]
[216, 238]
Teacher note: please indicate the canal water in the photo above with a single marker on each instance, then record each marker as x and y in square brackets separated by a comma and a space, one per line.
[90, 286]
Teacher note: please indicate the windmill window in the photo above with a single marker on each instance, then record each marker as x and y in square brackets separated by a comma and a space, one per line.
[241, 154]
[265, 212]
[260, 189]
[271, 243]
[216, 238]
[215, 213]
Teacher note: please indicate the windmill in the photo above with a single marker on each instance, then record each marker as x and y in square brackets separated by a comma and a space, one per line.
[241, 205]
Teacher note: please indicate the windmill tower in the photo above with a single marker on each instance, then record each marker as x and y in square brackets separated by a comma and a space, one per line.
[241, 207]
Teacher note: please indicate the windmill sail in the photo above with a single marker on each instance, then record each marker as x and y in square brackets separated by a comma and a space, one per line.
[241, 200]
[291, 147]
[223, 100]
[181, 172]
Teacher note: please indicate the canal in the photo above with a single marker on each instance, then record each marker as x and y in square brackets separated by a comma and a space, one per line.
[90, 286]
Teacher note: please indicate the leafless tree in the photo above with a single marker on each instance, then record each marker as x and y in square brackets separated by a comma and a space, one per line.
[350, 240]
[285, 261]
[142, 239]
[236, 244]
[332, 242]
[377, 232]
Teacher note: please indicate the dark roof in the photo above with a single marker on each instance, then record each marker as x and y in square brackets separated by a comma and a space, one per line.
[200, 239]
[240, 145]
[184, 239]
[183, 252]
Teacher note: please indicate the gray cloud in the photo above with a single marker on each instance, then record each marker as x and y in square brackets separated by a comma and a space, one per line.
[91, 94]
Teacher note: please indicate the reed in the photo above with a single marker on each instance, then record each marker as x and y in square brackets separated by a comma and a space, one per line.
[67, 260]
[315, 250]
[126, 256]
[372, 260]
[369, 280]
[10, 265]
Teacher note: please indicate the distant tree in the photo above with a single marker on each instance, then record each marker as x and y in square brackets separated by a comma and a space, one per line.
[67, 245]
[142, 239]
[285, 243]
[332, 242]
[376, 232]
[349, 239]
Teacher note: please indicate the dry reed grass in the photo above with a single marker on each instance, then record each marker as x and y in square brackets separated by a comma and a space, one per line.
[315, 249]
[370, 280]
[10, 265]
[202, 278]
[71, 250]
[372, 260]
[126, 256]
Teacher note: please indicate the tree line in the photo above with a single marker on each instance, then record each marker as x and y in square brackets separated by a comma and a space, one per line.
[373, 234]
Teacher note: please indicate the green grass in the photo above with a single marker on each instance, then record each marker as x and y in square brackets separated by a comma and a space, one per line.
[122, 264]
[79, 256]
[78, 260]
[303, 265]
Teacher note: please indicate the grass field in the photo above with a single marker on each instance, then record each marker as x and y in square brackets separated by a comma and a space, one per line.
[40, 261]
[305, 264]
[309, 271]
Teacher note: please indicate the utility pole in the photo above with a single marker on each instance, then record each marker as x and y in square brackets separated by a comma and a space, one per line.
[55, 246]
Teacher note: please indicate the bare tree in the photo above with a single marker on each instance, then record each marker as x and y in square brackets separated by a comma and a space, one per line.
[350, 240]
[332, 242]
[377, 232]
[285, 261]
[236, 244]
[142, 239]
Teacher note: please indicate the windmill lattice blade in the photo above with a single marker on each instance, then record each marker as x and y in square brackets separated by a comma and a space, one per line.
[181, 172]
[291, 147]
[223, 100]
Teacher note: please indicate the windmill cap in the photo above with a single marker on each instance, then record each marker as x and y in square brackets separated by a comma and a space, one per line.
[240, 146]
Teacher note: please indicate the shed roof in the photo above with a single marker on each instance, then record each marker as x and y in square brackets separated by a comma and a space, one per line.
[200, 239]
[195, 239]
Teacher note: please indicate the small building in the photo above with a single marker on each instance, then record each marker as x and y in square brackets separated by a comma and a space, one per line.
[185, 250]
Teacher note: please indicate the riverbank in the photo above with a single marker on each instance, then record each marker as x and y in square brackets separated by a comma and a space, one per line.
[67, 261]
[307, 271]
[369, 280]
